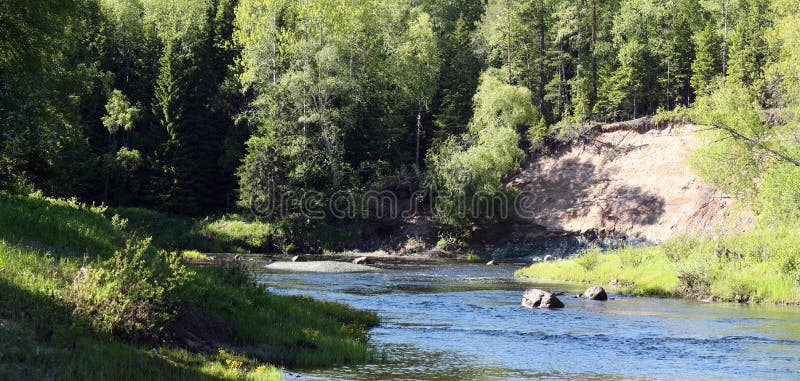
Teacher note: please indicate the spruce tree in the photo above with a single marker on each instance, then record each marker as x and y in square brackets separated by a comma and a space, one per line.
[174, 184]
[459, 80]
[708, 57]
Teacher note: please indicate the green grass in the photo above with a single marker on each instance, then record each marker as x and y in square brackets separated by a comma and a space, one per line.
[47, 246]
[235, 233]
[193, 255]
[762, 265]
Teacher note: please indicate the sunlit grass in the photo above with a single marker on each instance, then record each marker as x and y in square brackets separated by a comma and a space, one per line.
[193, 255]
[43, 245]
[759, 266]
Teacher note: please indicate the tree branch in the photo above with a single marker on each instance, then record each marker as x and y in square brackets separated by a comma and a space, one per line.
[736, 135]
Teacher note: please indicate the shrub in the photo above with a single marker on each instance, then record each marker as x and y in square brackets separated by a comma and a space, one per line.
[131, 295]
[694, 279]
[588, 259]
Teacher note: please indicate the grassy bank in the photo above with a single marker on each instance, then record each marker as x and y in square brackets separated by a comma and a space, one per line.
[84, 294]
[759, 266]
[234, 233]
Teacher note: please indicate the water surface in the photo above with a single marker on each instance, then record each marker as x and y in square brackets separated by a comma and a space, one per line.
[457, 322]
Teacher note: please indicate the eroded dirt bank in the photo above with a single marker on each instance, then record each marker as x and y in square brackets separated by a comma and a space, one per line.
[631, 182]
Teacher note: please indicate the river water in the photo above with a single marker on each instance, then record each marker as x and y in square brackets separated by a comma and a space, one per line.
[464, 322]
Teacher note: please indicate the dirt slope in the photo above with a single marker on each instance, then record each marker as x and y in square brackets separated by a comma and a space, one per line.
[628, 182]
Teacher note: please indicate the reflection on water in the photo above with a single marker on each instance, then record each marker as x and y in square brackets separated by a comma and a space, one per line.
[464, 322]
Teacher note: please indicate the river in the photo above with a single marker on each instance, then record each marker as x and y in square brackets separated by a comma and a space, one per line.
[464, 322]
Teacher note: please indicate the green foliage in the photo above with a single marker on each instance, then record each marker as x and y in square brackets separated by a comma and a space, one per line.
[779, 198]
[193, 255]
[707, 63]
[472, 257]
[588, 259]
[129, 159]
[748, 44]
[469, 180]
[538, 132]
[131, 297]
[120, 114]
[458, 83]
[728, 161]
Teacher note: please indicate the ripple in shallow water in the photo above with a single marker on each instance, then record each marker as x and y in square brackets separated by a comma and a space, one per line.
[461, 322]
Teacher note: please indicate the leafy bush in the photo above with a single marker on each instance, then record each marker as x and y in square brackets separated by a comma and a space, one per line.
[538, 133]
[694, 278]
[588, 259]
[131, 296]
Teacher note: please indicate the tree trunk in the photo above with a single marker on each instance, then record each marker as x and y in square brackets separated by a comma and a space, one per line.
[419, 131]
[594, 53]
[542, 32]
[508, 37]
[725, 6]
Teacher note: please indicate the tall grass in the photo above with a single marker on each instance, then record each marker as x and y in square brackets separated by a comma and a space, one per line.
[49, 319]
[759, 266]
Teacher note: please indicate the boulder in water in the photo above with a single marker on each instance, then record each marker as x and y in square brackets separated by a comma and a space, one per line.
[595, 293]
[536, 298]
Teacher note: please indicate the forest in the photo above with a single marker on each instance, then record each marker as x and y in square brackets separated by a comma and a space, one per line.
[193, 107]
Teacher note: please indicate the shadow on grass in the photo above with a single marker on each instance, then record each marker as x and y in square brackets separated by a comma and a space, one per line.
[41, 339]
[65, 226]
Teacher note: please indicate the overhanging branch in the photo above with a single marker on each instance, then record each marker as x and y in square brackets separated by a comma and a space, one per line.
[736, 135]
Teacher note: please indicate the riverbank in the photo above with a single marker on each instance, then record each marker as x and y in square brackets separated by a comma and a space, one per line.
[760, 266]
[87, 296]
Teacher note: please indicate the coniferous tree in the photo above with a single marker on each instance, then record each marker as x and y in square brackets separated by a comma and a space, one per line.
[173, 187]
[459, 80]
[707, 63]
[748, 46]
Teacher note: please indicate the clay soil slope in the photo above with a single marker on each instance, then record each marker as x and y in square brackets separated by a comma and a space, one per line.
[622, 182]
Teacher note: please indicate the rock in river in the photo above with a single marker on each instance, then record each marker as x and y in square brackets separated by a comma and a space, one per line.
[536, 298]
[595, 293]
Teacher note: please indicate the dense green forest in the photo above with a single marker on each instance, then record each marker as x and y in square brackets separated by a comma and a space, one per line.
[196, 107]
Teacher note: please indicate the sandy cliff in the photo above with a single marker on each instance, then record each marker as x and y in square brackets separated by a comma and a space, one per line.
[630, 182]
